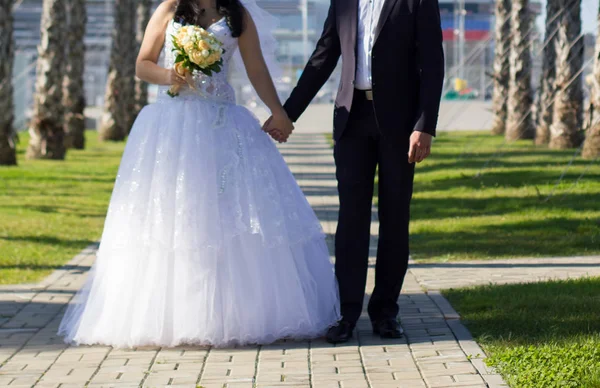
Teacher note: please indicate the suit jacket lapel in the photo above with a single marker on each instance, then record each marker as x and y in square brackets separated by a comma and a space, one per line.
[388, 5]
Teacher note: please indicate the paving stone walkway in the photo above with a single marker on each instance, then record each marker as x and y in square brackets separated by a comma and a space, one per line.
[438, 350]
[439, 276]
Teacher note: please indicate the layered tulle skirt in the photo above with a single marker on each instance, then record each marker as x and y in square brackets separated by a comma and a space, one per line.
[208, 239]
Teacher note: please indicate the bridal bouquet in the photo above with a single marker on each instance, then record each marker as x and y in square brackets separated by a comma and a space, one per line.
[195, 50]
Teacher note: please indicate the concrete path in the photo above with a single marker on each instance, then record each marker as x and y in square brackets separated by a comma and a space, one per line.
[439, 276]
[438, 350]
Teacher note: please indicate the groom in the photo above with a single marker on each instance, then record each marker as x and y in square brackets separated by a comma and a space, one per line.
[385, 115]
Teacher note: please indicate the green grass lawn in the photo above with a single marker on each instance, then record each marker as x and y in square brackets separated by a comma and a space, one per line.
[537, 335]
[502, 213]
[51, 210]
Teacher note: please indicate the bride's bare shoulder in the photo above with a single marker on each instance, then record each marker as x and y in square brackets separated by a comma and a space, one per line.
[166, 10]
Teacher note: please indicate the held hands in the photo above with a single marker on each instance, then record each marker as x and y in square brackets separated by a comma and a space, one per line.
[420, 147]
[279, 127]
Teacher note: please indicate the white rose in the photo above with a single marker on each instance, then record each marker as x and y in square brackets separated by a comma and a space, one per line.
[205, 53]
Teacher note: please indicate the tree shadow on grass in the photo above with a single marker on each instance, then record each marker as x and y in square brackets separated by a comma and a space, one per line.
[471, 239]
[73, 211]
[67, 181]
[516, 178]
[548, 237]
[475, 164]
[465, 206]
[49, 240]
[41, 267]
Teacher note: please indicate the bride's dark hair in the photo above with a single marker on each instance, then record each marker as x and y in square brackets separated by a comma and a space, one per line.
[189, 12]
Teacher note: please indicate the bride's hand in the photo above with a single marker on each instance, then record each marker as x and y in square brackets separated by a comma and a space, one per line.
[173, 78]
[279, 126]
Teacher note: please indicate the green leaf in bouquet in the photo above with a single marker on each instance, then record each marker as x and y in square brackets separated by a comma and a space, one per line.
[179, 58]
[206, 71]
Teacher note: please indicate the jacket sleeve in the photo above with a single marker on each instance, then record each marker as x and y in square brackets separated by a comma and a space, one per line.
[430, 57]
[318, 69]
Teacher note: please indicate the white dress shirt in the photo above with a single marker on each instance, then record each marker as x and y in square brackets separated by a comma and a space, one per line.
[369, 12]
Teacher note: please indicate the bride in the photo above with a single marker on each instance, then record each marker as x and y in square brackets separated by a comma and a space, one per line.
[208, 239]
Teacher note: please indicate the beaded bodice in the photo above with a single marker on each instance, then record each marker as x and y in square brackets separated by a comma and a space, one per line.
[215, 87]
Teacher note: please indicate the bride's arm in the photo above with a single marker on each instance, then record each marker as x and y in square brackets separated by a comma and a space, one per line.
[258, 73]
[146, 67]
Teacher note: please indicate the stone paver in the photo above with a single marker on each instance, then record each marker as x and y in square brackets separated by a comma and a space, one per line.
[437, 351]
[437, 276]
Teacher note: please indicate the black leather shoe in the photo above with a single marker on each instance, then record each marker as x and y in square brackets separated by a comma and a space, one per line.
[388, 328]
[340, 333]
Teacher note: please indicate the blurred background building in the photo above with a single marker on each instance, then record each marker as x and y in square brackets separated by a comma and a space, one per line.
[468, 27]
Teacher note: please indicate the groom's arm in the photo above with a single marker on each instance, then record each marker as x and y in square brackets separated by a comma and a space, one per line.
[430, 57]
[318, 69]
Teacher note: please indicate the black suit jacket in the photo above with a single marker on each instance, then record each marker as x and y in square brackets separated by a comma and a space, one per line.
[407, 66]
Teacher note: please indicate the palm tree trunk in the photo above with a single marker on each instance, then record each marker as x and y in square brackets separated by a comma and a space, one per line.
[548, 76]
[501, 66]
[519, 123]
[47, 125]
[74, 95]
[8, 155]
[119, 99]
[591, 147]
[141, 87]
[567, 120]
[130, 66]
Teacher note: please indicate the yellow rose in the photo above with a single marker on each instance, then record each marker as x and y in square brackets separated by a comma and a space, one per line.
[197, 58]
[203, 45]
[189, 48]
[179, 69]
[180, 38]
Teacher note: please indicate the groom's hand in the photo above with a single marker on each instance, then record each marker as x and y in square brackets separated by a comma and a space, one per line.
[420, 147]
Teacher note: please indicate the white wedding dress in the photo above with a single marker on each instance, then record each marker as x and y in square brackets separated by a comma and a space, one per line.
[208, 238]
